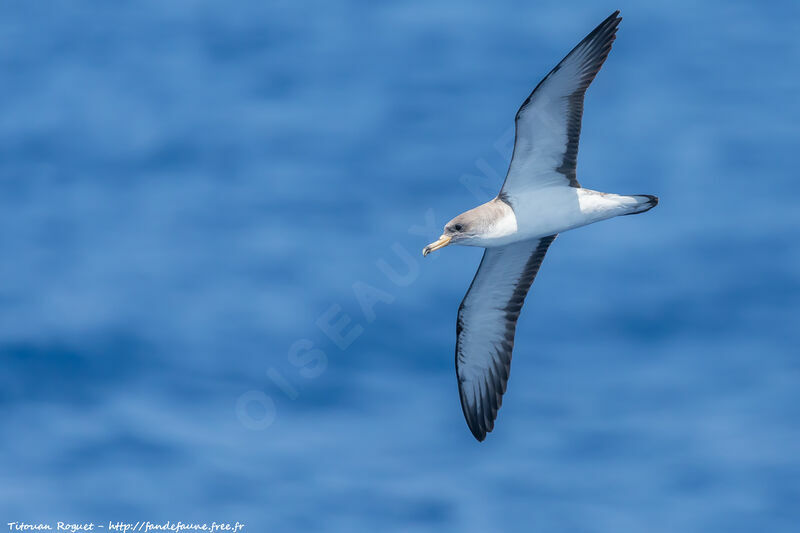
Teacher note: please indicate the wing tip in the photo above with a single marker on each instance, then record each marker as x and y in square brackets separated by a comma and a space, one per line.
[478, 430]
[479, 435]
[477, 425]
[614, 17]
[608, 28]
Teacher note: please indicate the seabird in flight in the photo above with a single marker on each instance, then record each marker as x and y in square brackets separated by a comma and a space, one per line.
[540, 198]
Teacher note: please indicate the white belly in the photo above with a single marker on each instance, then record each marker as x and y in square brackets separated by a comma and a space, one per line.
[552, 210]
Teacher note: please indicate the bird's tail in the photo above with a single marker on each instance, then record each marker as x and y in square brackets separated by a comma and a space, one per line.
[643, 203]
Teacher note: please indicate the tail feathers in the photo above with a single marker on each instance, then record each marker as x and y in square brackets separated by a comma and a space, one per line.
[645, 202]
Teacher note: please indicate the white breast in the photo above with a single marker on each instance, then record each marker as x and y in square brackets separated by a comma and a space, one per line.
[552, 210]
[544, 212]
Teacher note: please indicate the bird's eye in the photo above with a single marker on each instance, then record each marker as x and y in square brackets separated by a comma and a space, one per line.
[458, 227]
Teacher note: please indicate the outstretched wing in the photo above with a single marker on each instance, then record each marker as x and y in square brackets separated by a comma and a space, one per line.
[548, 125]
[487, 320]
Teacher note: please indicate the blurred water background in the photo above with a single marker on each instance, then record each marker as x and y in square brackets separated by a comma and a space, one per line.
[186, 188]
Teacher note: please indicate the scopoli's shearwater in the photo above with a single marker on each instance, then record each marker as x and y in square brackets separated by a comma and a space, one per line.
[540, 198]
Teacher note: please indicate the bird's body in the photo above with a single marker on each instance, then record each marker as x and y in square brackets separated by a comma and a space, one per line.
[540, 198]
[550, 211]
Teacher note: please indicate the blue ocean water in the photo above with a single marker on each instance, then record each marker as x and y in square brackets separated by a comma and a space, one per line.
[197, 199]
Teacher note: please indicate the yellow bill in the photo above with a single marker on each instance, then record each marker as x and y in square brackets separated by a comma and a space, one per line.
[443, 241]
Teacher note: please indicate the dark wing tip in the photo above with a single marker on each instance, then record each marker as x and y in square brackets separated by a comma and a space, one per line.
[613, 18]
[601, 39]
[478, 433]
[474, 422]
[481, 413]
[605, 33]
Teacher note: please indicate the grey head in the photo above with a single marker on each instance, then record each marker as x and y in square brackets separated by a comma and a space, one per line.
[464, 228]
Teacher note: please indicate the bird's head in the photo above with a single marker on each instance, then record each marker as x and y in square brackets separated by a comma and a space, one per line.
[461, 228]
